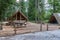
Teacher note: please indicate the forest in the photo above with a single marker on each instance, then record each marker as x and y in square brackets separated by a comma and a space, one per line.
[35, 10]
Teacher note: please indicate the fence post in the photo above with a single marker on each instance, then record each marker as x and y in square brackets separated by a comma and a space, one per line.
[47, 27]
[1, 26]
[41, 26]
[15, 29]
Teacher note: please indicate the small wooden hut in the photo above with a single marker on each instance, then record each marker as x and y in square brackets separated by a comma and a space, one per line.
[55, 18]
[17, 18]
[52, 19]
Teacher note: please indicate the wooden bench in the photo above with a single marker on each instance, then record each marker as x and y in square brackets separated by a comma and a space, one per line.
[19, 23]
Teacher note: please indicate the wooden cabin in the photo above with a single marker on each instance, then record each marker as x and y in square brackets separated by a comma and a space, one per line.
[55, 18]
[52, 19]
[17, 18]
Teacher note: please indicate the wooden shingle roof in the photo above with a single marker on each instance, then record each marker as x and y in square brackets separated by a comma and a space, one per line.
[18, 13]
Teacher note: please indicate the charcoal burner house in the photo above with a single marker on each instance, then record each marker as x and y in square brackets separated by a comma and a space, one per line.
[55, 18]
[17, 18]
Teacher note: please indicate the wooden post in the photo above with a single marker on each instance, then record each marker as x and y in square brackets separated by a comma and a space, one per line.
[47, 27]
[15, 26]
[20, 19]
[1, 26]
[16, 16]
[41, 26]
[15, 29]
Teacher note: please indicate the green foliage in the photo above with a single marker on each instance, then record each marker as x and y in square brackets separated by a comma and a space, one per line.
[55, 4]
[8, 7]
[4, 4]
[22, 6]
[11, 9]
[31, 10]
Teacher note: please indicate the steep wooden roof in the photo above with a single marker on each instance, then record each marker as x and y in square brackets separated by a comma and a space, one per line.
[55, 18]
[18, 13]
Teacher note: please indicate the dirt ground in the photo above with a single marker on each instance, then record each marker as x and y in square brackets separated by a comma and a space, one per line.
[30, 27]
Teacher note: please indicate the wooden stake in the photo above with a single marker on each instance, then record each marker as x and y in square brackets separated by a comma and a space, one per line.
[20, 19]
[16, 16]
[47, 27]
[14, 29]
[41, 26]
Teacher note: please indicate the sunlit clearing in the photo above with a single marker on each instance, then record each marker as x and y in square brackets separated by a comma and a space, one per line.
[17, 1]
[25, 0]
